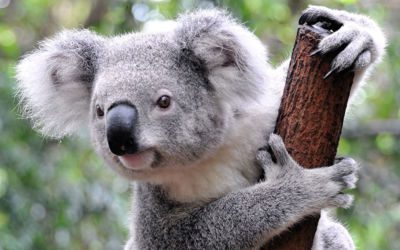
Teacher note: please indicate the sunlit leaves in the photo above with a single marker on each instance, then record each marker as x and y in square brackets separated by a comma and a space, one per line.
[3, 181]
[8, 41]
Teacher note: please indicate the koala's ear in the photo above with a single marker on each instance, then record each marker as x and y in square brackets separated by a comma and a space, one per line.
[54, 82]
[234, 59]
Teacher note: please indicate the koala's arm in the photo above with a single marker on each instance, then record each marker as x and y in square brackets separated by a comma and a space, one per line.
[358, 42]
[246, 218]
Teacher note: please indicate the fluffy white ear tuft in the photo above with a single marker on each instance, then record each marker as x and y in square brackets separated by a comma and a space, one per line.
[54, 82]
[235, 60]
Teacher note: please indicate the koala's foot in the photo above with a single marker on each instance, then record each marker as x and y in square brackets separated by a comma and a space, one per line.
[331, 235]
[357, 39]
[319, 187]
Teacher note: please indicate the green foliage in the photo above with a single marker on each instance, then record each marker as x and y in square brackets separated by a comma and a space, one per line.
[59, 195]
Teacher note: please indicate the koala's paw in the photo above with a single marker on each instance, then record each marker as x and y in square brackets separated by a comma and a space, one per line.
[320, 187]
[356, 38]
[330, 182]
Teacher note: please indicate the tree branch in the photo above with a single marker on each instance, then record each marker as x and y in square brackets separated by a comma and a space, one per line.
[310, 119]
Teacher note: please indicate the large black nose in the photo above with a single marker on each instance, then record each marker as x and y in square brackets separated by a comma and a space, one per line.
[120, 126]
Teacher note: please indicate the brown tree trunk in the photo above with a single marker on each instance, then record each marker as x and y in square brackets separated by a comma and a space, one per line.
[310, 119]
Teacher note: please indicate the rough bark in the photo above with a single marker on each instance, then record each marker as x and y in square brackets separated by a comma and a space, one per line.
[310, 119]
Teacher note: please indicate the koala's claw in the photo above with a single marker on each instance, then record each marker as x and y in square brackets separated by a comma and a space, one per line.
[351, 38]
[330, 72]
[315, 52]
[315, 14]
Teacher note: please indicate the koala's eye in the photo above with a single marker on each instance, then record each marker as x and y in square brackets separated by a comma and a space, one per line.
[164, 101]
[99, 111]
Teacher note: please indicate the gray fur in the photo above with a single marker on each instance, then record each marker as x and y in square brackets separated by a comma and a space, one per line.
[289, 193]
[55, 81]
[198, 168]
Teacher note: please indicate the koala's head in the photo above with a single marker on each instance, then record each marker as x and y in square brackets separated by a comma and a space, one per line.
[151, 100]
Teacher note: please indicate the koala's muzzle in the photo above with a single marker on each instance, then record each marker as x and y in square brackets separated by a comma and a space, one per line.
[121, 125]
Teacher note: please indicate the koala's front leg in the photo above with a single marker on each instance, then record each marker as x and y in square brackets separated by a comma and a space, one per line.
[245, 218]
[357, 39]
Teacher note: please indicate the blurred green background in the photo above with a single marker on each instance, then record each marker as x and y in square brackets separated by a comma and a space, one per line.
[59, 195]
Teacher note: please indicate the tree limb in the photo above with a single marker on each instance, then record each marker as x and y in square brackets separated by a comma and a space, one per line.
[310, 119]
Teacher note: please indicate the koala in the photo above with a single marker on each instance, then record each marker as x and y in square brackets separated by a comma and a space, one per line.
[187, 114]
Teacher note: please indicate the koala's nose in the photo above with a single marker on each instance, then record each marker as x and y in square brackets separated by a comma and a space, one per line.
[120, 126]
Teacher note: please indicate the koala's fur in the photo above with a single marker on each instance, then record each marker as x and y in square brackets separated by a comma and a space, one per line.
[197, 178]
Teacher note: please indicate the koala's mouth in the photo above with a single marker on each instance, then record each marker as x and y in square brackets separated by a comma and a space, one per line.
[138, 161]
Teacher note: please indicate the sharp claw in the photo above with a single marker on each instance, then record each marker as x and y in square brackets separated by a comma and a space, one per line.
[333, 70]
[317, 51]
[302, 19]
